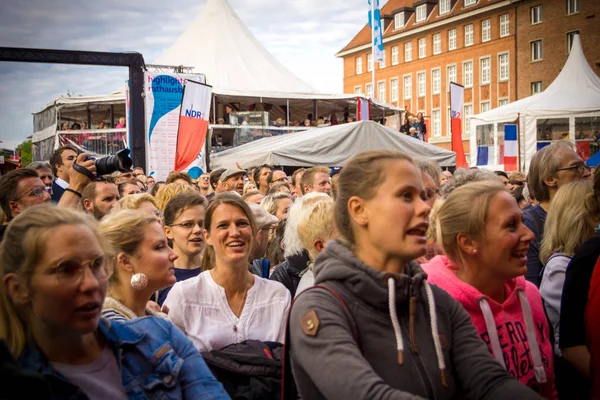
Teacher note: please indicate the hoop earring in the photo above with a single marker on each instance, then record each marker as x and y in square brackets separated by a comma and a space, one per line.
[139, 281]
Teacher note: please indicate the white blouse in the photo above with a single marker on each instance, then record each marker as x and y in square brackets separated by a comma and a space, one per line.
[198, 306]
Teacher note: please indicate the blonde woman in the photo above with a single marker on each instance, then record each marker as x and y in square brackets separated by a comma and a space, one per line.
[169, 191]
[143, 263]
[53, 264]
[278, 204]
[480, 229]
[142, 202]
[567, 226]
[227, 304]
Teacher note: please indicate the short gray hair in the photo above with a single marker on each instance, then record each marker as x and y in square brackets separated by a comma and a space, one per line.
[36, 165]
[431, 168]
[463, 176]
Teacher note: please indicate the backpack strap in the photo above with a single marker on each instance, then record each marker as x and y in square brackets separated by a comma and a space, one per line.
[288, 384]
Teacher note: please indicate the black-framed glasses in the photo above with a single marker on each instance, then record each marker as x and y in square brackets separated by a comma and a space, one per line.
[284, 179]
[429, 193]
[36, 191]
[581, 168]
[70, 272]
[190, 224]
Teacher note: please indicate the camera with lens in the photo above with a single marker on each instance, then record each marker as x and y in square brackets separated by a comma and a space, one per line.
[119, 162]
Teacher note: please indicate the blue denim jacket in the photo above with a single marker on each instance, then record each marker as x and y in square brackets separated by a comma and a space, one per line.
[157, 361]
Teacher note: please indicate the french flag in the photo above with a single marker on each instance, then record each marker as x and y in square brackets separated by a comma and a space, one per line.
[511, 148]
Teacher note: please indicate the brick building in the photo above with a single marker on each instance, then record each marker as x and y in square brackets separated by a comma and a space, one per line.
[494, 48]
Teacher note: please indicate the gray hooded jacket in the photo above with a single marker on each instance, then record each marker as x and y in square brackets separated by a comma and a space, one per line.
[396, 329]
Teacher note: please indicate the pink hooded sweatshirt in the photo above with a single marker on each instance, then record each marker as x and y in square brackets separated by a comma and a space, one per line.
[515, 331]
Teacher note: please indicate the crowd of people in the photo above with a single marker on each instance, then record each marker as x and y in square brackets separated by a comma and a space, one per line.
[385, 279]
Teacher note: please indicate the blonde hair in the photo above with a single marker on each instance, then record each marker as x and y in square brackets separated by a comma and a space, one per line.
[316, 222]
[361, 176]
[568, 224]
[464, 211]
[249, 187]
[291, 240]
[169, 191]
[516, 176]
[124, 230]
[134, 201]
[24, 244]
[308, 178]
[269, 203]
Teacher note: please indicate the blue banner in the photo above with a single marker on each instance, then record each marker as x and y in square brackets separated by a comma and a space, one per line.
[375, 24]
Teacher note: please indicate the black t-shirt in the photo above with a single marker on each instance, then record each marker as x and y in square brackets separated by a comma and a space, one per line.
[575, 294]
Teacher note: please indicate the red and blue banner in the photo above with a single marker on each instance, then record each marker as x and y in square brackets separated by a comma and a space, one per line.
[193, 125]
[457, 99]
[511, 148]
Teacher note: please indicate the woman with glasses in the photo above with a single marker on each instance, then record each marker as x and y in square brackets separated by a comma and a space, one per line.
[55, 279]
[143, 263]
[184, 227]
[226, 303]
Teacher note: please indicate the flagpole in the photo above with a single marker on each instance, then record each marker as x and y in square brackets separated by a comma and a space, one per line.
[373, 48]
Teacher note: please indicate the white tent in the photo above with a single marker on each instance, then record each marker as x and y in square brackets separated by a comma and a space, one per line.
[571, 103]
[330, 146]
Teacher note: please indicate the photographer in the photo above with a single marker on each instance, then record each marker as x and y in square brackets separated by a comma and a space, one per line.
[77, 182]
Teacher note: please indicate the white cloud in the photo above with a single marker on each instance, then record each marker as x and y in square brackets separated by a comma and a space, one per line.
[303, 35]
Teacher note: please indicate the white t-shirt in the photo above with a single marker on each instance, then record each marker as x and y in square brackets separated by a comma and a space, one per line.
[307, 280]
[198, 306]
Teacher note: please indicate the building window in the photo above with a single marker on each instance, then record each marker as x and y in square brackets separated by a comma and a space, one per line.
[369, 87]
[536, 87]
[572, 7]
[437, 43]
[408, 87]
[358, 90]
[452, 39]
[421, 13]
[381, 91]
[485, 65]
[502, 102]
[445, 6]
[422, 48]
[504, 25]
[359, 65]
[468, 35]
[394, 89]
[536, 15]
[422, 84]
[399, 20]
[486, 30]
[504, 67]
[570, 38]
[436, 81]
[395, 55]
[437, 123]
[536, 50]
[485, 106]
[468, 111]
[468, 73]
[408, 51]
[470, 3]
[450, 75]
[382, 62]
[370, 62]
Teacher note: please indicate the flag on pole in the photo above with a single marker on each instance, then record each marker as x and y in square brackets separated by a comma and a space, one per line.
[457, 98]
[193, 126]
[364, 110]
[377, 30]
[511, 149]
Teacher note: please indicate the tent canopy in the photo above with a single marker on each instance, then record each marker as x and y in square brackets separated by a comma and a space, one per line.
[330, 146]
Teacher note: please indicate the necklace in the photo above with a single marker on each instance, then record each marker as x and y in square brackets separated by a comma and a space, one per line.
[241, 306]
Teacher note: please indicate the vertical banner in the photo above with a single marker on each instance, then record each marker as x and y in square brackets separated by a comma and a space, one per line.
[363, 110]
[457, 97]
[511, 147]
[377, 31]
[163, 97]
[193, 125]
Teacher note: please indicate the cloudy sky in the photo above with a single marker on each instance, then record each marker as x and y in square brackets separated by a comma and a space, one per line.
[303, 34]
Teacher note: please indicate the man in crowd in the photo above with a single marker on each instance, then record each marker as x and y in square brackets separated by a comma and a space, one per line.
[261, 174]
[551, 168]
[264, 221]
[232, 180]
[505, 180]
[296, 179]
[277, 176]
[61, 161]
[99, 197]
[19, 190]
[150, 182]
[44, 171]
[215, 178]
[316, 179]
[179, 177]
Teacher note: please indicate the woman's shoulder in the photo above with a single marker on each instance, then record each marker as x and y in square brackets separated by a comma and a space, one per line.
[271, 288]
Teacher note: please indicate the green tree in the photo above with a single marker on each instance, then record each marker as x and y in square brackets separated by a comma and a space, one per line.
[25, 149]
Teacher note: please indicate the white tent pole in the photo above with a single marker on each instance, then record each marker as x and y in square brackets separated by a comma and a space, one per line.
[288, 112]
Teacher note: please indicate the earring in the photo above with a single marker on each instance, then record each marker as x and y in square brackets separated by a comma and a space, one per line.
[139, 281]
[475, 251]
